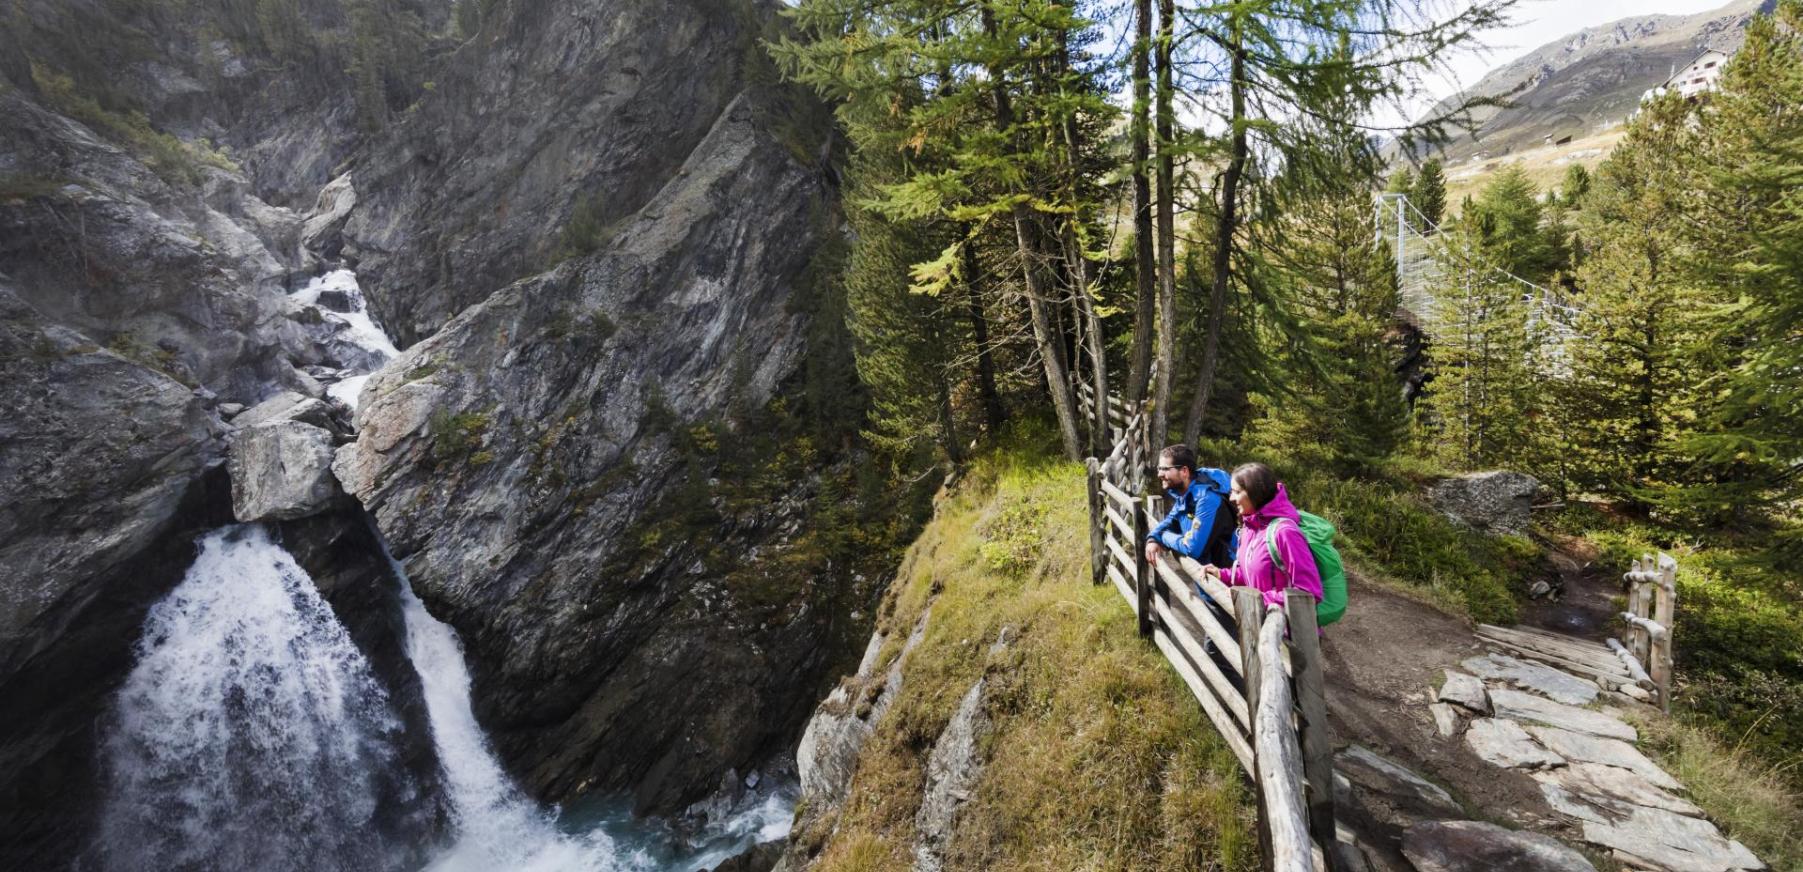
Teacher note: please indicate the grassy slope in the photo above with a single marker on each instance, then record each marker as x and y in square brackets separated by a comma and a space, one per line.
[1100, 759]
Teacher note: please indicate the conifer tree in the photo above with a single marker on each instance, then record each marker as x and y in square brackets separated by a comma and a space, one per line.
[1428, 193]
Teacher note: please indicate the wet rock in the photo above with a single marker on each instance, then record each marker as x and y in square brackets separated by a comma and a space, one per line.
[761, 857]
[330, 210]
[1545, 680]
[1495, 502]
[1409, 792]
[1587, 748]
[1464, 690]
[1520, 706]
[1504, 743]
[230, 410]
[1474, 846]
[280, 471]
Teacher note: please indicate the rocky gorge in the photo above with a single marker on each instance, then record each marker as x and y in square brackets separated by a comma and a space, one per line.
[600, 456]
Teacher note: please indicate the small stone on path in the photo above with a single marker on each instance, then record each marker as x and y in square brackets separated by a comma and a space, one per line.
[1504, 743]
[1555, 684]
[1471, 846]
[1446, 719]
[1587, 748]
[1464, 690]
[1517, 705]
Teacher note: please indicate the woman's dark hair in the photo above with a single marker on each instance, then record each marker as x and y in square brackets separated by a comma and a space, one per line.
[1258, 481]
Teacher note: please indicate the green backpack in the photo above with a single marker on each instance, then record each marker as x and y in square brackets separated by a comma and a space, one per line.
[1318, 531]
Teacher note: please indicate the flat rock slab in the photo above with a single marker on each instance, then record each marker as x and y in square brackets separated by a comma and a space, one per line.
[1379, 774]
[1540, 678]
[1465, 690]
[1662, 839]
[1446, 719]
[1521, 706]
[1588, 781]
[1587, 748]
[1504, 743]
[1474, 846]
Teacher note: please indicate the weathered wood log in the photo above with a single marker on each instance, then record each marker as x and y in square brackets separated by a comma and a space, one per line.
[1222, 723]
[1665, 603]
[1142, 576]
[1572, 650]
[1212, 586]
[1249, 609]
[1636, 671]
[1124, 586]
[1223, 691]
[1197, 610]
[1098, 532]
[1278, 756]
[1311, 700]
[1119, 522]
[1124, 499]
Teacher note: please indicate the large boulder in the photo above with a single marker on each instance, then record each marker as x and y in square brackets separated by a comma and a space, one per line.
[1496, 502]
[281, 471]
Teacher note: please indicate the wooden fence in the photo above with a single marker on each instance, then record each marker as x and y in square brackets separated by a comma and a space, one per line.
[1646, 647]
[1254, 668]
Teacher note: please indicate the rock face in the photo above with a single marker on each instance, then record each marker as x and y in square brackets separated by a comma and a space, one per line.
[1475, 846]
[523, 459]
[1495, 502]
[827, 757]
[1411, 795]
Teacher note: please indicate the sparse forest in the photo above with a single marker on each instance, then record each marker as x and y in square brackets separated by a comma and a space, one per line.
[1173, 202]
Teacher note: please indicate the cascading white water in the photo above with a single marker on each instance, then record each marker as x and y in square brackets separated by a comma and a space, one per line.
[497, 827]
[251, 734]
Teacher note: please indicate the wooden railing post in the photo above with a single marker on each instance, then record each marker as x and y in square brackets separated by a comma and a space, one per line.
[1311, 698]
[1142, 573]
[1098, 524]
[1249, 613]
[1664, 608]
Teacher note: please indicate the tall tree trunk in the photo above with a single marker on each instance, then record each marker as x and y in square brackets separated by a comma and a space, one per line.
[991, 398]
[1045, 333]
[1144, 270]
[1167, 234]
[1077, 264]
[1226, 224]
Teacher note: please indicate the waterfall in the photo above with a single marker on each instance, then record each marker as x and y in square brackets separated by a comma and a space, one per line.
[497, 826]
[252, 733]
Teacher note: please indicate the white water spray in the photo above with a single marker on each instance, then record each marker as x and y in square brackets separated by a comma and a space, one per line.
[251, 734]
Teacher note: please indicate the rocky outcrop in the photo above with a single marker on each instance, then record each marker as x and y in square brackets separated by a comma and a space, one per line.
[1497, 502]
[519, 459]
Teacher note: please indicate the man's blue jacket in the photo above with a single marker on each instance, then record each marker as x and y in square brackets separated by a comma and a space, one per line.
[1192, 515]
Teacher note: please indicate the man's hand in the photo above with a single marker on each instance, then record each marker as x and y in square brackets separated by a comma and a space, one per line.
[1152, 551]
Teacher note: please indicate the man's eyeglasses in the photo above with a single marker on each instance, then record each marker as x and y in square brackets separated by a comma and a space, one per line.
[1169, 468]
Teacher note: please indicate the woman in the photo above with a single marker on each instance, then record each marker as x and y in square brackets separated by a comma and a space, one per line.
[1268, 523]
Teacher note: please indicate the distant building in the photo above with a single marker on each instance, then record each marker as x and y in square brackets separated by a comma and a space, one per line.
[1699, 75]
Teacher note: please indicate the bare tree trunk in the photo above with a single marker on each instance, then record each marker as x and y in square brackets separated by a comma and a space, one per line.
[1145, 277]
[1045, 333]
[1077, 264]
[1226, 224]
[993, 413]
[1167, 234]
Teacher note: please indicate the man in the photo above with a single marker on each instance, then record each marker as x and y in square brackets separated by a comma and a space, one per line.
[1200, 524]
